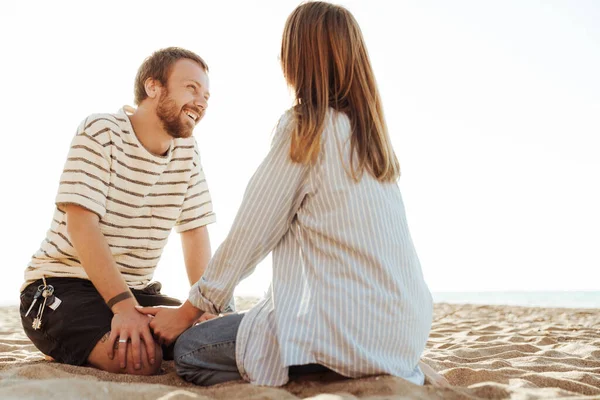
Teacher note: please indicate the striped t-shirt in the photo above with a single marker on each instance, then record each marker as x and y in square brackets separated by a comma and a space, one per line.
[347, 292]
[138, 196]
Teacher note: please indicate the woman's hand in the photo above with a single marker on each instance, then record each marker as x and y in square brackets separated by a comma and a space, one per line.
[205, 317]
[168, 322]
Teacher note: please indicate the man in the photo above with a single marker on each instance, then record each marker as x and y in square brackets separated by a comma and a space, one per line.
[129, 179]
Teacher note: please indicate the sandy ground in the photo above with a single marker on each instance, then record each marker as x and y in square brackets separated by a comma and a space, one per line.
[485, 352]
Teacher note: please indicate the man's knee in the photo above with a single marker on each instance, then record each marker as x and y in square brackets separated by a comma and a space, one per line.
[98, 358]
[146, 368]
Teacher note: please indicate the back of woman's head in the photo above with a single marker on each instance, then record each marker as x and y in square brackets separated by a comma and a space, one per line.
[325, 62]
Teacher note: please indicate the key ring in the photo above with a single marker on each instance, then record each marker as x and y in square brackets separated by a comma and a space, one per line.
[48, 291]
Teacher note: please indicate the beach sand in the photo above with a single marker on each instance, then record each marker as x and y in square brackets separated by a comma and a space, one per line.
[485, 352]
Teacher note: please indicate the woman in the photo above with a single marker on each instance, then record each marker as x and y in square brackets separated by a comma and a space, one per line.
[347, 293]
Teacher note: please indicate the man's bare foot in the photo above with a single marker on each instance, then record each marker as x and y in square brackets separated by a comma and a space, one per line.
[432, 377]
[48, 358]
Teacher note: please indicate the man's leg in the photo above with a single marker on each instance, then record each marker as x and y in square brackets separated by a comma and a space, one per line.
[205, 353]
[150, 296]
[98, 358]
[73, 332]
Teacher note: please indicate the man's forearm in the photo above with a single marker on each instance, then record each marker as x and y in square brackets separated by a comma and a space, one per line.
[196, 252]
[97, 261]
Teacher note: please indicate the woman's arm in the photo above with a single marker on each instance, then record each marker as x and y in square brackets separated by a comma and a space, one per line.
[272, 198]
[270, 203]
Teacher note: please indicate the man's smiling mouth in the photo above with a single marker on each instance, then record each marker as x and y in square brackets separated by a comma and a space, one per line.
[192, 115]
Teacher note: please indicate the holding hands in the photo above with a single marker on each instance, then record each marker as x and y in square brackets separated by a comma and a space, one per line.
[148, 325]
[168, 322]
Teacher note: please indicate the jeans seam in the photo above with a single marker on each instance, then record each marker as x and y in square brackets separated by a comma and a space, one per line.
[202, 348]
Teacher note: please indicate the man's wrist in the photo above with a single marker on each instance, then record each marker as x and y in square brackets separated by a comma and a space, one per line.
[118, 298]
[124, 305]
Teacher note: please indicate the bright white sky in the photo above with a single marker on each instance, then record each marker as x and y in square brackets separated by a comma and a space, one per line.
[493, 108]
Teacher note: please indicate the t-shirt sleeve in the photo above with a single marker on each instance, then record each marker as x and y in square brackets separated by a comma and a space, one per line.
[197, 209]
[86, 176]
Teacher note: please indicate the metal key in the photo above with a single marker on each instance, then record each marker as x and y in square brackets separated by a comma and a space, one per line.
[46, 293]
[36, 296]
[37, 321]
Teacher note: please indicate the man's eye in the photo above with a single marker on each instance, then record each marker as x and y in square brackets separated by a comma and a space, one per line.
[192, 88]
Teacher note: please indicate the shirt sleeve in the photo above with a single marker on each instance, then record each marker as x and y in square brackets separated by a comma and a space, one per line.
[271, 200]
[197, 209]
[86, 176]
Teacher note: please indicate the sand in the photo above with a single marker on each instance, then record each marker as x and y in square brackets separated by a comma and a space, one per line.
[484, 352]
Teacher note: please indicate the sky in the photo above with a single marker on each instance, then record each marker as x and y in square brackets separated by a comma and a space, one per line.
[493, 109]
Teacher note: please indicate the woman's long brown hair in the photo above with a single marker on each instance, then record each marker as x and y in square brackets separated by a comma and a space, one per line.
[325, 62]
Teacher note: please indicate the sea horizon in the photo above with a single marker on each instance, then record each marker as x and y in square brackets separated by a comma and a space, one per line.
[551, 299]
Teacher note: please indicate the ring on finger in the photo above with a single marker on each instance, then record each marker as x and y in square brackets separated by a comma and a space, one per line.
[122, 340]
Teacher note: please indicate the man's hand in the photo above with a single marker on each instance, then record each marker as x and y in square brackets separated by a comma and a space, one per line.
[168, 323]
[130, 325]
[99, 264]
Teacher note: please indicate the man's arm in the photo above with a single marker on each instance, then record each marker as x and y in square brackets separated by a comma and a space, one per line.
[196, 252]
[97, 261]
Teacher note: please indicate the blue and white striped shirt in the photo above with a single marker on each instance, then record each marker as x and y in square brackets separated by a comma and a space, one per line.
[347, 290]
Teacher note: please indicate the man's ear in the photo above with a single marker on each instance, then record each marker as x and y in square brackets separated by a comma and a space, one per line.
[152, 87]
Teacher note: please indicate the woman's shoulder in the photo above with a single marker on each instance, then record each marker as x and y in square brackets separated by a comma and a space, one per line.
[331, 113]
[333, 119]
[285, 122]
[337, 116]
[287, 117]
[337, 121]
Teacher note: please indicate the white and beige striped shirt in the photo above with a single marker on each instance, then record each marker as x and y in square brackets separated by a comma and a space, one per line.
[138, 196]
[347, 290]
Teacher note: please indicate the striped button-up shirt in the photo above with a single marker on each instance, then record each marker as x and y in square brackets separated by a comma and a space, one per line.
[347, 289]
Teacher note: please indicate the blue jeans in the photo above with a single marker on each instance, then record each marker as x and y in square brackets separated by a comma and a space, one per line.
[205, 353]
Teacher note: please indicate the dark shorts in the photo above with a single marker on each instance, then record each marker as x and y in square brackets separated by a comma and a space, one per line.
[69, 333]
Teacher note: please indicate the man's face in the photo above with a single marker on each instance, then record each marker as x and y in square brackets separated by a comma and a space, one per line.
[184, 99]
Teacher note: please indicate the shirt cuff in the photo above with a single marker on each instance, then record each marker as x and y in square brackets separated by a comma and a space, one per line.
[201, 302]
[81, 200]
[196, 223]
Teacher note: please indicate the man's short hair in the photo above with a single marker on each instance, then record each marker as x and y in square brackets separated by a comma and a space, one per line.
[158, 66]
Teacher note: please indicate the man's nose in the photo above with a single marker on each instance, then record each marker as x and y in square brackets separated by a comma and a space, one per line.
[201, 102]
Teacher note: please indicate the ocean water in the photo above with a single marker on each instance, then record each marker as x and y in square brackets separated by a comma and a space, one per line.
[555, 299]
